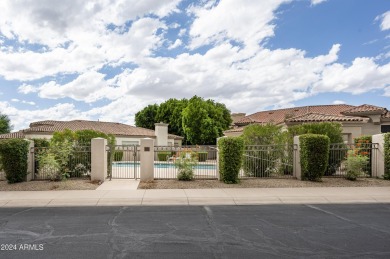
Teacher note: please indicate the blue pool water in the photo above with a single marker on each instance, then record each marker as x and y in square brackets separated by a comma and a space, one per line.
[165, 165]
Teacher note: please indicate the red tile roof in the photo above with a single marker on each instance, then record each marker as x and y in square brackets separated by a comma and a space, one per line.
[318, 117]
[365, 108]
[280, 115]
[114, 128]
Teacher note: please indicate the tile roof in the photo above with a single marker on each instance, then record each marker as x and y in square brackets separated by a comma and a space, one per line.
[117, 129]
[386, 114]
[318, 117]
[365, 108]
[280, 115]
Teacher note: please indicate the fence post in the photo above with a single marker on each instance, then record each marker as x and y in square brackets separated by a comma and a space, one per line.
[378, 156]
[297, 171]
[147, 159]
[98, 159]
[30, 161]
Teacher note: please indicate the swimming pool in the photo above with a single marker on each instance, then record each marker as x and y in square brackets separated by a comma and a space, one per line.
[164, 165]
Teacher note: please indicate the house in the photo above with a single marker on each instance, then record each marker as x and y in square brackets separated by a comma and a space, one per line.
[124, 134]
[355, 120]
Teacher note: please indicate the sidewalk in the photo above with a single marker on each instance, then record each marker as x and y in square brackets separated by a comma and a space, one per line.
[238, 196]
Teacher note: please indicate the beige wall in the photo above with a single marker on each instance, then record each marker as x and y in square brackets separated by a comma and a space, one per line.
[40, 136]
[371, 129]
[233, 134]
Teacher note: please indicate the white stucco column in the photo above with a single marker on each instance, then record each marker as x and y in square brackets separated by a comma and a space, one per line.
[98, 159]
[378, 156]
[218, 174]
[30, 160]
[147, 159]
[161, 132]
[297, 171]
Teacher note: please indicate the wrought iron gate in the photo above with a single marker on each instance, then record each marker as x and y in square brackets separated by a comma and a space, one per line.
[123, 161]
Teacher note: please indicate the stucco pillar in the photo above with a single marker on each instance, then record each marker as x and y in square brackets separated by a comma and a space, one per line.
[30, 160]
[98, 159]
[297, 171]
[147, 159]
[161, 132]
[378, 156]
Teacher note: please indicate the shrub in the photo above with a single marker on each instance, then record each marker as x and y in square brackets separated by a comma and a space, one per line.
[231, 151]
[13, 154]
[79, 170]
[363, 148]
[41, 142]
[387, 155]
[202, 156]
[185, 165]
[118, 155]
[314, 156]
[49, 166]
[164, 155]
[331, 129]
[355, 165]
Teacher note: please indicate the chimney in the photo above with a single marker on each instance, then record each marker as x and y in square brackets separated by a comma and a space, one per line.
[161, 133]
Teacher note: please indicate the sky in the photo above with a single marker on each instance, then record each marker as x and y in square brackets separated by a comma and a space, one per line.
[107, 59]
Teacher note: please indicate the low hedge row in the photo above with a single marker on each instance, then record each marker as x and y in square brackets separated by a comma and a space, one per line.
[314, 156]
[387, 155]
[13, 154]
[231, 150]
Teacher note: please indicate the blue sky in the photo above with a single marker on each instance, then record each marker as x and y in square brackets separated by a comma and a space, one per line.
[63, 60]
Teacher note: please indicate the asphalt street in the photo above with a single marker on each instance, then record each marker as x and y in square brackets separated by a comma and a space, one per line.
[267, 231]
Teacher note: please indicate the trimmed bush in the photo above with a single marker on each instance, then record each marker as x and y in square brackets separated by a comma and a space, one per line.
[13, 153]
[355, 165]
[314, 156]
[231, 150]
[164, 155]
[185, 166]
[387, 155]
[363, 148]
[118, 155]
[202, 156]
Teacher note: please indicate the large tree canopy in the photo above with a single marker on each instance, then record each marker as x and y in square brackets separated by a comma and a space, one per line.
[146, 117]
[5, 124]
[204, 121]
[197, 120]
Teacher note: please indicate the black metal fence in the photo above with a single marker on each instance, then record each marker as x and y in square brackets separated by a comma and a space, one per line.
[123, 161]
[356, 158]
[268, 161]
[49, 165]
[201, 160]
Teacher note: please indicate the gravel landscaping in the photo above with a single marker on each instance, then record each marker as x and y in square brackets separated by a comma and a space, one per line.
[71, 184]
[263, 183]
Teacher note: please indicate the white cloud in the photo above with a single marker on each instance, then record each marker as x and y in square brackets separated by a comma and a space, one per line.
[316, 2]
[245, 21]
[26, 89]
[338, 102]
[21, 118]
[385, 20]
[176, 44]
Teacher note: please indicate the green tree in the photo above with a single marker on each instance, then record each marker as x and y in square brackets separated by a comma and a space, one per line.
[331, 129]
[5, 124]
[268, 134]
[204, 121]
[146, 117]
[171, 112]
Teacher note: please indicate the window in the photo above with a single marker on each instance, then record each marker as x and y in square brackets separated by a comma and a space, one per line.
[129, 143]
[385, 128]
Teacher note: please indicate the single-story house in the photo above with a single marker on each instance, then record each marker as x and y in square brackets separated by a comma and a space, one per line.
[355, 120]
[124, 134]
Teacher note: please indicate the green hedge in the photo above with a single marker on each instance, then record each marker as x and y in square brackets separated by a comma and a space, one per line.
[13, 153]
[162, 156]
[387, 155]
[118, 155]
[314, 156]
[231, 150]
